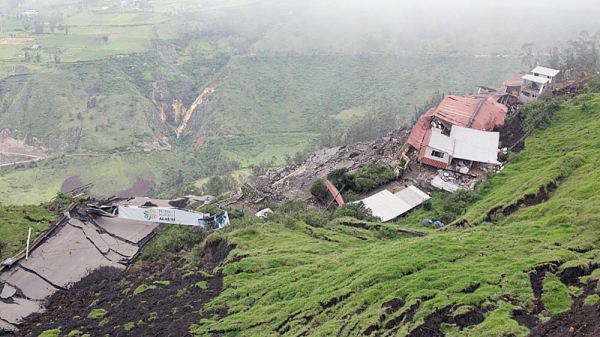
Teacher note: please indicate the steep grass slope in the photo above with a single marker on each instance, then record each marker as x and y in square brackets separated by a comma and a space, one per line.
[296, 279]
[297, 93]
[95, 106]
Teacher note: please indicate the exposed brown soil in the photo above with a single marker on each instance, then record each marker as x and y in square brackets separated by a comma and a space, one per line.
[588, 290]
[140, 188]
[471, 289]
[168, 310]
[578, 322]
[570, 276]
[523, 318]
[570, 89]
[511, 134]
[71, 183]
[431, 326]
[581, 320]
[528, 200]
[536, 279]
[393, 305]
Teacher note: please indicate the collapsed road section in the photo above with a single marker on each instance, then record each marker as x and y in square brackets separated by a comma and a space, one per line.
[76, 245]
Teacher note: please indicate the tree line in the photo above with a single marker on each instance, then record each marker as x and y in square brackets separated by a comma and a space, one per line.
[575, 59]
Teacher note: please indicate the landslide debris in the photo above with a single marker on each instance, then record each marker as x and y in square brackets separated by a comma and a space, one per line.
[293, 183]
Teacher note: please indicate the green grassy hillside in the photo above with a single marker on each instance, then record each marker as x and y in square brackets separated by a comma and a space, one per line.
[297, 93]
[94, 106]
[338, 280]
[100, 77]
[262, 109]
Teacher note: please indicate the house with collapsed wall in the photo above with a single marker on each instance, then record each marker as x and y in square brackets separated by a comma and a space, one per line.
[538, 81]
[513, 85]
[460, 129]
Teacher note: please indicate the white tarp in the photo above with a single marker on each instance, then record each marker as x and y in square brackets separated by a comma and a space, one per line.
[475, 145]
[412, 196]
[388, 206]
[163, 215]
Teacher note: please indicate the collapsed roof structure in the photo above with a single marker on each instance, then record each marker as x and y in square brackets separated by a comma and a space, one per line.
[457, 128]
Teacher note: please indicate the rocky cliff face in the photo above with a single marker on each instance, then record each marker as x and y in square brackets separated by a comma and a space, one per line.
[171, 108]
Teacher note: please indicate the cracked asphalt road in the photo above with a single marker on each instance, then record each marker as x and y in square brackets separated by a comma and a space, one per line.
[75, 248]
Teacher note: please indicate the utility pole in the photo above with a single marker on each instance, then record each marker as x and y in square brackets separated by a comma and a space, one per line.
[28, 239]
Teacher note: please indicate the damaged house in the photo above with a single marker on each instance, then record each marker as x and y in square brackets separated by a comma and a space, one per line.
[459, 128]
[538, 81]
[462, 144]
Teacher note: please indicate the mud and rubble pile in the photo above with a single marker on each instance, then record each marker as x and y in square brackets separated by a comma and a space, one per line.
[293, 183]
[570, 89]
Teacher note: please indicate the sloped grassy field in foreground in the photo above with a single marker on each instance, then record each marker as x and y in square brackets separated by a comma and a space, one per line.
[534, 246]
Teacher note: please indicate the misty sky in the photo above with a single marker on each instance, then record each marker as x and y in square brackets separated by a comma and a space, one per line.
[478, 27]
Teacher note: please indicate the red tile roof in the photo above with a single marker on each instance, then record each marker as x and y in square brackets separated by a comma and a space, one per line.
[480, 112]
[514, 81]
[419, 129]
[475, 113]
